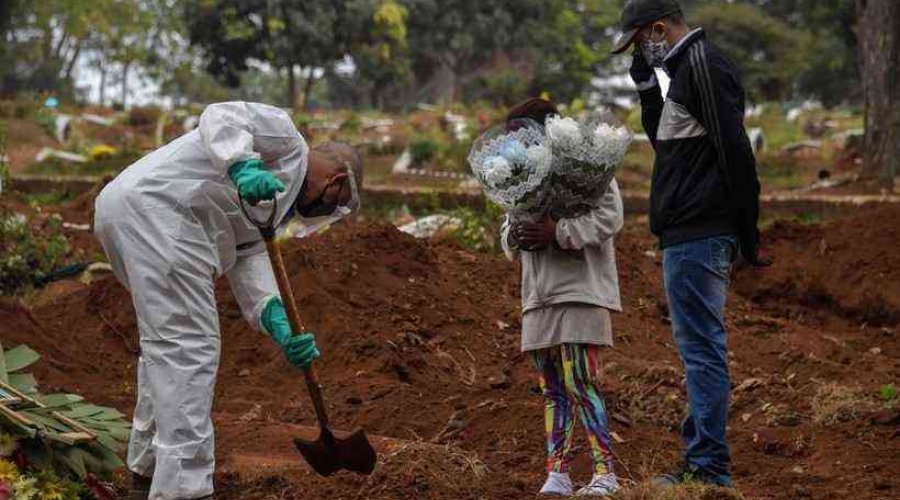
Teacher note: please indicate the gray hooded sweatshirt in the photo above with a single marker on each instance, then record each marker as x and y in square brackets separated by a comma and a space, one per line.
[578, 271]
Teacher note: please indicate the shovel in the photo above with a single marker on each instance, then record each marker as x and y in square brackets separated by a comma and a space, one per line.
[329, 453]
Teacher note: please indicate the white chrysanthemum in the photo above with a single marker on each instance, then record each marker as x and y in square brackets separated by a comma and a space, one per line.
[564, 133]
[496, 170]
[610, 143]
[538, 156]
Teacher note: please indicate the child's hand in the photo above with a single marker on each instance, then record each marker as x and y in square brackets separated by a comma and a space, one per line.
[536, 235]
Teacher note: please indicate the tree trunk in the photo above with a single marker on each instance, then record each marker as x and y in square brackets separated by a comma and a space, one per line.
[879, 37]
[125, 69]
[307, 89]
[292, 87]
[103, 72]
[70, 66]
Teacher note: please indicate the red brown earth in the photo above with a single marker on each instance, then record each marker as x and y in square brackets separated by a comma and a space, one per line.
[420, 343]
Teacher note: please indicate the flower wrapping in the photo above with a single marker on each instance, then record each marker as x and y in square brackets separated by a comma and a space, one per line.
[511, 162]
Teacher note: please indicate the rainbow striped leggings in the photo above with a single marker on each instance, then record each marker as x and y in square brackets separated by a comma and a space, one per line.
[569, 376]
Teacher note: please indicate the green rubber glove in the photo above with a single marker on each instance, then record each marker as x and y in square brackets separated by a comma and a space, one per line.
[300, 350]
[254, 181]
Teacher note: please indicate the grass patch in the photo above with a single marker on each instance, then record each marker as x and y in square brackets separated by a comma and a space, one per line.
[780, 173]
[835, 403]
[778, 131]
[889, 395]
[686, 491]
[49, 198]
[809, 218]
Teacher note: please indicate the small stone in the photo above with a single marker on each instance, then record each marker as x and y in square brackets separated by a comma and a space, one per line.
[500, 382]
[875, 351]
[244, 373]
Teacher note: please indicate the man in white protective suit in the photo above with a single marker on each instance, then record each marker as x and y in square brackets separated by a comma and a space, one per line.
[171, 224]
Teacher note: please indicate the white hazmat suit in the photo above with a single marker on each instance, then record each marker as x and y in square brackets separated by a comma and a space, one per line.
[170, 224]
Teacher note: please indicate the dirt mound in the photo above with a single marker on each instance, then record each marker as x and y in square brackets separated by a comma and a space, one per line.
[420, 343]
[849, 265]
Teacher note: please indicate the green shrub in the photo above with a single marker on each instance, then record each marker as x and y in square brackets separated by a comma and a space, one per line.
[302, 121]
[423, 150]
[479, 229]
[27, 256]
[454, 156]
[352, 124]
[46, 118]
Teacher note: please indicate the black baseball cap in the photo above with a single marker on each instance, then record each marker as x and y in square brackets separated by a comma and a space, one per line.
[639, 13]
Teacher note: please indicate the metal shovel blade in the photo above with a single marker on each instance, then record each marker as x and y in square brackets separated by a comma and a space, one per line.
[329, 454]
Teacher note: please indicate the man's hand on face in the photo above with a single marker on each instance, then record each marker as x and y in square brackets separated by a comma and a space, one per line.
[640, 71]
[536, 235]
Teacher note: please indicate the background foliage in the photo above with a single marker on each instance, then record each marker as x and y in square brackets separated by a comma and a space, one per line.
[397, 53]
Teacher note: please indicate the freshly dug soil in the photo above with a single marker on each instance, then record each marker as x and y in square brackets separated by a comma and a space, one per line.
[420, 344]
[849, 265]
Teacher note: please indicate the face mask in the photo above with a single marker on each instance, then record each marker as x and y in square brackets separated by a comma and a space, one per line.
[317, 207]
[655, 52]
[318, 215]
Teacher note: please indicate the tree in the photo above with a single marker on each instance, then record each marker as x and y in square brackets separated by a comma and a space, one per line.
[382, 55]
[289, 35]
[451, 39]
[879, 35]
[830, 72]
[570, 49]
[47, 39]
[769, 52]
[122, 34]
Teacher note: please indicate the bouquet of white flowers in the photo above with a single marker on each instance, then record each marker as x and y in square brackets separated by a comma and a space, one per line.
[563, 169]
[511, 162]
[585, 158]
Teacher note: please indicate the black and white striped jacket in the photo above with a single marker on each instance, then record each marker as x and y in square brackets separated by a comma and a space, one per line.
[704, 179]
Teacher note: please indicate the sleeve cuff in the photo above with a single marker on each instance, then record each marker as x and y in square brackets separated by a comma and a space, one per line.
[645, 86]
[562, 235]
[259, 310]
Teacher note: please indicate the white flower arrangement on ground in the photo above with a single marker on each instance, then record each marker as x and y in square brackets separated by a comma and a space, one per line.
[563, 168]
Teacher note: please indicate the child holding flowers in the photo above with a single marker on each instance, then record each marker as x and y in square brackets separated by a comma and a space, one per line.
[569, 287]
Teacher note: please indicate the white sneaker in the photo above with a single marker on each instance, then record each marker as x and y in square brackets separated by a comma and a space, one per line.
[559, 484]
[601, 485]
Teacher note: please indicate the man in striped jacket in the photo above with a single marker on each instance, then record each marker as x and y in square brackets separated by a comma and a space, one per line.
[704, 206]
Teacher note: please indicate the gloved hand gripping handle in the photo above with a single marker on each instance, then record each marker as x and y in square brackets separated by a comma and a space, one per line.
[267, 231]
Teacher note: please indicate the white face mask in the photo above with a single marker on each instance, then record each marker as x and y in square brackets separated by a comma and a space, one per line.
[655, 52]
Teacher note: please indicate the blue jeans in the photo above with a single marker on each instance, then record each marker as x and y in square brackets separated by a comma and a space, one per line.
[697, 278]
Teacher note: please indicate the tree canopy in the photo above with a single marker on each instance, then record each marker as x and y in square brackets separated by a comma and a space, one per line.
[395, 53]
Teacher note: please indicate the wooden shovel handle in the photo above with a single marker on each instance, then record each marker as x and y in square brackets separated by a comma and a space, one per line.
[267, 231]
[287, 297]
